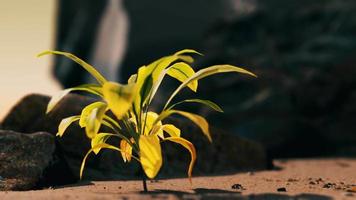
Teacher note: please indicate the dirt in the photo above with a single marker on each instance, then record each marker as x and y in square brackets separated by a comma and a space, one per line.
[293, 179]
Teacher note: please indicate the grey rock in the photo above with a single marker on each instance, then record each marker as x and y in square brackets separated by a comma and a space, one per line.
[23, 158]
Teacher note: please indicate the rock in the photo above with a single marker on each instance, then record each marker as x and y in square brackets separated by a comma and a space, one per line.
[305, 91]
[23, 158]
[227, 153]
[71, 148]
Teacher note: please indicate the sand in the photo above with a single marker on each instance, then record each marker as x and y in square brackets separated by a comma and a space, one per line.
[296, 179]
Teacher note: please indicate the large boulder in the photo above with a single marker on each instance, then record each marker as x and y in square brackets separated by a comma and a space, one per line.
[23, 158]
[227, 153]
[302, 103]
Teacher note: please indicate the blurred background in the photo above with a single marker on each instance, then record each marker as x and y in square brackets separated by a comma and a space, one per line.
[302, 104]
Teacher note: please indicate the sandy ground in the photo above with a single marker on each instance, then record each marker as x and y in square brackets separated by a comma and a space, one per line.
[301, 179]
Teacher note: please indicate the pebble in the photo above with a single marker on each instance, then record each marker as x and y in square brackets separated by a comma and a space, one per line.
[282, 189]
[237, 187]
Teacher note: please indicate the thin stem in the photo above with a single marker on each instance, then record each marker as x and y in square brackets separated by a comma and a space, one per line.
[144, 182]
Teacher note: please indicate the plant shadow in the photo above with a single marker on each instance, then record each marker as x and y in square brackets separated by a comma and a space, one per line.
[216, 194]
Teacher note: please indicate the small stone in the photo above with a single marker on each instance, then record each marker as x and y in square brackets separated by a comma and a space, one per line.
[282, 189]
[311, 183]
[237, 187]
[292, 180]
[328, 185]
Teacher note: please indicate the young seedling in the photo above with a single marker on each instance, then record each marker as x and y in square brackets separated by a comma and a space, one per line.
[140, 130]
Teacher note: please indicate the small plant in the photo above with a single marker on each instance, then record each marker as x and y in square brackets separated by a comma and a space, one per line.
[141, 130]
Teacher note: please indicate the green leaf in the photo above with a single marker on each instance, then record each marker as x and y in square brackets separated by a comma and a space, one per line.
[100, 138]
[198, 120]
[91, 88]
[207, 72]
[92, 117]
[119, 97]
[187, 51]
[56, 99]
[101, 80]
[182, 71]
[87, 110]
[150, 154]
[201, 101]
[172, 130]
[190, 147]
[65, 123]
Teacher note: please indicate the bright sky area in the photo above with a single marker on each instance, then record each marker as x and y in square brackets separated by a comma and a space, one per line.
[26, 28]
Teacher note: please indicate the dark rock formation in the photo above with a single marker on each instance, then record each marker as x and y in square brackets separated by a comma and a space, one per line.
[23, 158]
[304, 56]
[227, 153]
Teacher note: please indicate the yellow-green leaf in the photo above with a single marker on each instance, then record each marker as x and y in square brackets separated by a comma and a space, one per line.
[91, 88]
[83, 122]
[141, 77]
[119, 97]
[65, 123]
[150, 119]
[216, 69]
[57, 98]
[187, 51]
[201, 101]
[150, 154]
[190, 147]
[101, 80]
[182, 71]
[94, 121]
[172, 130]
[198, 120]
[92, 117]
[100, 138]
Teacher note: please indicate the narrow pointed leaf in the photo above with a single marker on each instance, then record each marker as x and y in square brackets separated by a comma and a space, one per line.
[198, 120]
[182, 71]
[94, 121]
[150, 154]
[172, 130]
[100, 138]
[56, 99]
[65, 123]
[207, 72]
[83, 122]
[201, 101]
[101, 80]
[91, 88]
[190, 147]
[187, 51]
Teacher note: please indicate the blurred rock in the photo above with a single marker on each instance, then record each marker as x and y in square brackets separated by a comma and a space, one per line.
[227, 153]
[302, 103]
[23, 158]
